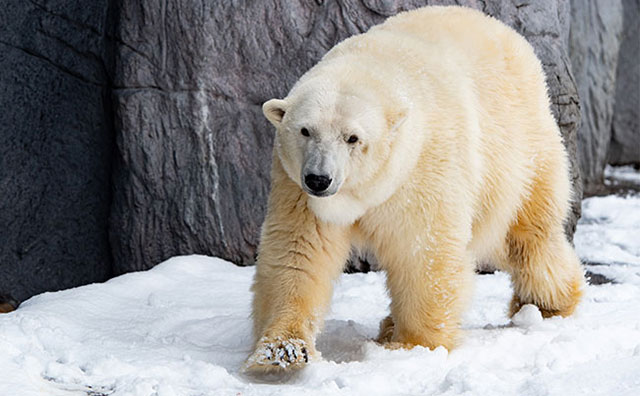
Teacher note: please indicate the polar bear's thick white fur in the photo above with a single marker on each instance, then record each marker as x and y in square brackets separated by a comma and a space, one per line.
[429, 140]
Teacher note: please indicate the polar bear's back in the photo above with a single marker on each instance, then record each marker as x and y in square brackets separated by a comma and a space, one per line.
[449, 42]
[483, 41]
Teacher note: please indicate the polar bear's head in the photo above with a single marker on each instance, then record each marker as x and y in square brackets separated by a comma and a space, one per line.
[332, 138]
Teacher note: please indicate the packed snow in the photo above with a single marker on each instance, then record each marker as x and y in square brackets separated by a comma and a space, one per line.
[620, 174]
[183, 328]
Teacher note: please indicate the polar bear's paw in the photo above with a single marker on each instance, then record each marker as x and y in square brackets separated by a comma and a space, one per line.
[278, 354]
[386, 330]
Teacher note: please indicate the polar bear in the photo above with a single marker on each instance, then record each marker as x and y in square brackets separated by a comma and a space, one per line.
[429, 140]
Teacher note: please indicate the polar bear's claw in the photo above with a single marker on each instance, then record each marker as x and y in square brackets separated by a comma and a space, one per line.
[278, 354]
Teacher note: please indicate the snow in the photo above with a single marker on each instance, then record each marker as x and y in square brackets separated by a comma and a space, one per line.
[528, 316]
[183, 328]
[608, 231]
[617, 174]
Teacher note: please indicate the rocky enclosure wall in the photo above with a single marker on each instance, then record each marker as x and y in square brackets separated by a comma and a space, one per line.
[56, 144]
[143, 118]
[605, 56]
[625, 131]
[596, 27]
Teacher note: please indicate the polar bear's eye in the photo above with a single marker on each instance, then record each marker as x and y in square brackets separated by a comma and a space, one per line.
[352, 139]
[304, 132]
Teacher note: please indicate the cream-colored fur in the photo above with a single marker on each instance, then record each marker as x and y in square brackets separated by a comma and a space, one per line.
[458, 159]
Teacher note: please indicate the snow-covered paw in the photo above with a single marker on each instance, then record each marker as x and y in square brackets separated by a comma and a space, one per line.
[279, 354]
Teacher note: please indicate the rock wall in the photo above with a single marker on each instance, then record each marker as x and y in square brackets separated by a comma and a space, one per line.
[625, 134]
[596, 28]
[56, 144]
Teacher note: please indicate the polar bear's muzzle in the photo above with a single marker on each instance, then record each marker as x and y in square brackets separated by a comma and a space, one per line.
[320, 176]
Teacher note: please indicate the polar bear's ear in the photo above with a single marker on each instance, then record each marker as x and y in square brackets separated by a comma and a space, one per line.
[274, 110]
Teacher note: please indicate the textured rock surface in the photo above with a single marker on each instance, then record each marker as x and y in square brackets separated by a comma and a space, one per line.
[55, 146]
[596, 28]
[625, 138]
[193, 150]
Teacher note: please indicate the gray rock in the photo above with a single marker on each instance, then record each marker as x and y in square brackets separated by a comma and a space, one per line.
[625, 137]
[55, 145]
[193, 150]
[596, 28]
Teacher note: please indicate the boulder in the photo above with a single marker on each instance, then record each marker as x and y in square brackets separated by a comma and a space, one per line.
[193, 153]
[56, 144]
[596, 28]
[625, 133]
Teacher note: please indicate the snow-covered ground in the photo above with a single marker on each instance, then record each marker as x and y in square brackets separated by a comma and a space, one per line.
[183, 328]
[621, 174]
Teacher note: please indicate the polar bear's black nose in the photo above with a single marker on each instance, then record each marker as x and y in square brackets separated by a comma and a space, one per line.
[317, 183]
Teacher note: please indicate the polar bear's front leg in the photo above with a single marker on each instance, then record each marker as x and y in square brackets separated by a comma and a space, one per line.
[428, 298]
[429, 276]
[298, 259]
